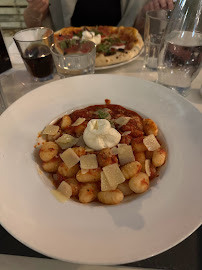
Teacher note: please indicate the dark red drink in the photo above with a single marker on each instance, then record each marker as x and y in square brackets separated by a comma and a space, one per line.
[38, 60]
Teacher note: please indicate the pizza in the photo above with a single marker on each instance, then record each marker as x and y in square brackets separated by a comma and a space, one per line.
[113, 44]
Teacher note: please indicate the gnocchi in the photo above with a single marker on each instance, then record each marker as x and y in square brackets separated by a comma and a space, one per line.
[110, 197]
[109, 174]
[88, 192]
[139, 183]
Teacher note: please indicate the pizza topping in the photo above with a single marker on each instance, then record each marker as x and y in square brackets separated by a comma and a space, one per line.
[87, 35]
[118, 47]
[72, 46]
[99, 134]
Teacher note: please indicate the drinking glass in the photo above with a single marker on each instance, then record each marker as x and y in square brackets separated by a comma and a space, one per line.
[34, 47]
[180, 52]
[155, 25]
[77, 59]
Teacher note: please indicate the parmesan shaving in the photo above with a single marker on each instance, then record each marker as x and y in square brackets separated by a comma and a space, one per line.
[78, 122]
[59, 196]
[125, 154]
[147, 167]
[151, 142]
[113, 174]
[88, 162]
[50, 130]
[81, 142]
[84, 171]
[66, 141]
[105, 186]
[114, 151]
[123, 120]
[70, 158]
[126, 133]
[65, 189]
[88, 149]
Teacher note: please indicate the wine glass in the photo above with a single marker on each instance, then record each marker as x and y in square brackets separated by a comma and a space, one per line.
[180, 53]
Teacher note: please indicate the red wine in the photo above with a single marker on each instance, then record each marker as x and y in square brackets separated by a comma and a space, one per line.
[38, 60]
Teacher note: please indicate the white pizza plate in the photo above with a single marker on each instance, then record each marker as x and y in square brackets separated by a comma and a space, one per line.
[120, 64]
[138, 228]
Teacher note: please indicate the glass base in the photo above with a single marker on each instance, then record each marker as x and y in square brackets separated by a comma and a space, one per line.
[180, 90]
[47, 78]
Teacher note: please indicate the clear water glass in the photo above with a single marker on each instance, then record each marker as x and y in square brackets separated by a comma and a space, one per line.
[180, 54]
[155, 25]
[79, 62]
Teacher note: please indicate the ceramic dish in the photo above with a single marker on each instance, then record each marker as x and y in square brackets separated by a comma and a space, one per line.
[97, 234]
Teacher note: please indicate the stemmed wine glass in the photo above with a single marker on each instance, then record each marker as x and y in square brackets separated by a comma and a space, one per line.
[180, 54]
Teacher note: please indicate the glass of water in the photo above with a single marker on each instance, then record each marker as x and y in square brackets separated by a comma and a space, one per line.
[180, 54]
[74, 57]
[155, 25]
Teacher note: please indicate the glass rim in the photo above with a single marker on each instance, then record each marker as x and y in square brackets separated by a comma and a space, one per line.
[73, 55]
[150, 12]
[33, 28]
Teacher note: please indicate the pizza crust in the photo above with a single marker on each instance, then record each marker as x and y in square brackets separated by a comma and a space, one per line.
[120, 57]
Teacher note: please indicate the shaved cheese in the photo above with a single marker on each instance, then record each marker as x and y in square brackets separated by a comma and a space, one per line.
[88, 162]
[123, 120]
[125, 154]
[122, 144]
[59, 196]
[114, 151]
[105, 186]
[84, 171]
[117, 47]
[81, 142]
[113, 174]
[70, 158]
[51, 130]
[126, 133]
[88, 149]
[151, 142]
[65, 189]
[66, 141]
[147, 167]
[78, 122]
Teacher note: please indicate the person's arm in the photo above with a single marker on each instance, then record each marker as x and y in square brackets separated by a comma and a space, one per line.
[151, 5]
[35, 12]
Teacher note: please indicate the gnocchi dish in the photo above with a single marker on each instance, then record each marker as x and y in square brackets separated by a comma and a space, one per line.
[101, 153]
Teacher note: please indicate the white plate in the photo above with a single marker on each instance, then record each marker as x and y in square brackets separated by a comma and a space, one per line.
[120, 64]
[145, 226]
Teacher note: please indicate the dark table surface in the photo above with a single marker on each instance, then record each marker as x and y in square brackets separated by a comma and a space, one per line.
[185, 256]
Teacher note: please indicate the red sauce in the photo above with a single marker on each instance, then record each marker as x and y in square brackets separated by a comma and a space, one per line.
[116, 112]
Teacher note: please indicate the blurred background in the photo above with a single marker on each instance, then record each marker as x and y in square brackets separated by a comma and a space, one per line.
[11, 16]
